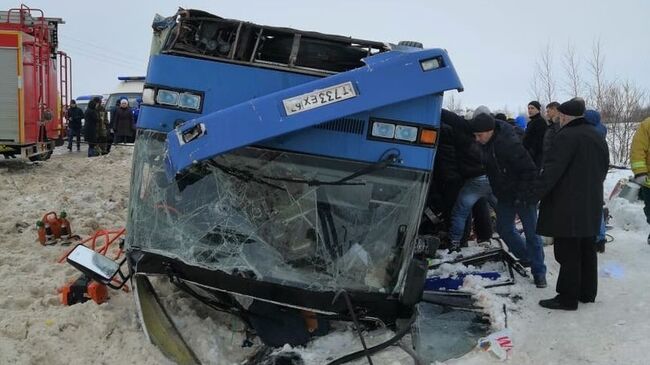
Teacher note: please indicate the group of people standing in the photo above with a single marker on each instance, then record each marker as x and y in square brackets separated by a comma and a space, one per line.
[557, 167]
[100, 131]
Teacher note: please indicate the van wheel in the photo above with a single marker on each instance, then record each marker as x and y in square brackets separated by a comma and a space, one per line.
[41, 157]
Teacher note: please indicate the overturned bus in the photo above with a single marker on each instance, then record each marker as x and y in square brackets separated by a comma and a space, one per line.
[280, 173]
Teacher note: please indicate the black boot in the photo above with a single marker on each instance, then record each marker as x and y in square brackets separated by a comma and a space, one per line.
[454, 246]
[540, 281]
[586, 300]
[600, 246]
[555, 303]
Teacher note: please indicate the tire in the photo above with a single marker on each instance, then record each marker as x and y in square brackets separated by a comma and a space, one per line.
[42, 157]
[411, 44]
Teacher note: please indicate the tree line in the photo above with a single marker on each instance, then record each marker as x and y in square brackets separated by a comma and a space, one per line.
[623, 104]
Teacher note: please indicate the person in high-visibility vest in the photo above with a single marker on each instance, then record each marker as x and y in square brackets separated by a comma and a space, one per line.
[640, 160]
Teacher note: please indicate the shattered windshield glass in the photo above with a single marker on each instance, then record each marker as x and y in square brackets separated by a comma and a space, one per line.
[277, 216]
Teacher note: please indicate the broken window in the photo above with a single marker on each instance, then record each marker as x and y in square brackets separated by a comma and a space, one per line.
[277, 216]
[201, 34]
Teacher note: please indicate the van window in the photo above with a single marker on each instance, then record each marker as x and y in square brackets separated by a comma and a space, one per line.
[113, 99]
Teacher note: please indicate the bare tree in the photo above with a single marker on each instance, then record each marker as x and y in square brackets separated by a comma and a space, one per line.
[453, 102]
[622, 104]
[543, 84]
[598, 86]
[535, 89]
[506, 110]
[622, 108]
[573, 83]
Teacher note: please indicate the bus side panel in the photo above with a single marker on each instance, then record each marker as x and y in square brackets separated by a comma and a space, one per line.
[353, 143]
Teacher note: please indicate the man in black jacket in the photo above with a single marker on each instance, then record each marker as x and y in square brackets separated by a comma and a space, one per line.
[511, 171]
[445, 185]
[473, 192]
[535, 131]
[74, 116]
[571, 190]
[553, 125]
[92, 119]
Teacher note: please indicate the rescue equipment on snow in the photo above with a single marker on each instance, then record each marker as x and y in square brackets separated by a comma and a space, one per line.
[65, 230]
[83, 289]
[52, 227]
[49, 234]
[630, 191]
[42, 237]
[52, 220]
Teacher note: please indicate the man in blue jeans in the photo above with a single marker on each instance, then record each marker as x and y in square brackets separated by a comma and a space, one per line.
[473, 181]
[510, 171]
[473, 189]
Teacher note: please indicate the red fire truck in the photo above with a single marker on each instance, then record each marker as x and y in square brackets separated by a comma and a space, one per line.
[35, 84]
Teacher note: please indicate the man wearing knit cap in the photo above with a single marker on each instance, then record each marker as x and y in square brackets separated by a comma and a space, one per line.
[570, 187]
[511, 171]
[470, 192]
[535, 131]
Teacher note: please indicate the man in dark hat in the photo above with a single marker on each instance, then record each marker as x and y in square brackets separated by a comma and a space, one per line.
[535, 131]
[470, 194]
[571, 190]
[511, 171]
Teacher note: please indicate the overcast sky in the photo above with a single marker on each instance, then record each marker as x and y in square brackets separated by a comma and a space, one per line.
[493, 44]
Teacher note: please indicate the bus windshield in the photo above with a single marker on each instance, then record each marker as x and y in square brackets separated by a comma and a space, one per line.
[277, 216]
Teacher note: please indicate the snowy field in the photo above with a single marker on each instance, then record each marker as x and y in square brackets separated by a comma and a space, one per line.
[36, 329]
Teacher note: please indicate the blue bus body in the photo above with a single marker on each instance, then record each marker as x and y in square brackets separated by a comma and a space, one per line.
[257, 177]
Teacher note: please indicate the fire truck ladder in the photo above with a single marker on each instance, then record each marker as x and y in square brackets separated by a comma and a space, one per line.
[65, 81]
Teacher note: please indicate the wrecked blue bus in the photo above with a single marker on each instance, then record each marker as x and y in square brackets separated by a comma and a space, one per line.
[284, 172]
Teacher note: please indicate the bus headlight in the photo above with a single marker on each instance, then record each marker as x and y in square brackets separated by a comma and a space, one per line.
[406, 133]
[383, 130]
[189, 101]
[431, 64]
[393, 131]
[192, 133]
[148, 96]
[167, 97]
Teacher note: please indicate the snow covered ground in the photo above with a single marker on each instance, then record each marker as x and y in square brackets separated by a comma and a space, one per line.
[36, 329]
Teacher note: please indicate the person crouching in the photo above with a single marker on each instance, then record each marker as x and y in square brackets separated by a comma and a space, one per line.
[510, 169]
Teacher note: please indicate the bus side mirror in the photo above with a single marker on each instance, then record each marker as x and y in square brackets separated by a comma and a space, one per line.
[97, 266]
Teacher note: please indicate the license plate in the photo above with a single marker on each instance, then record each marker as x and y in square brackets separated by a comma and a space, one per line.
[318, 98]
